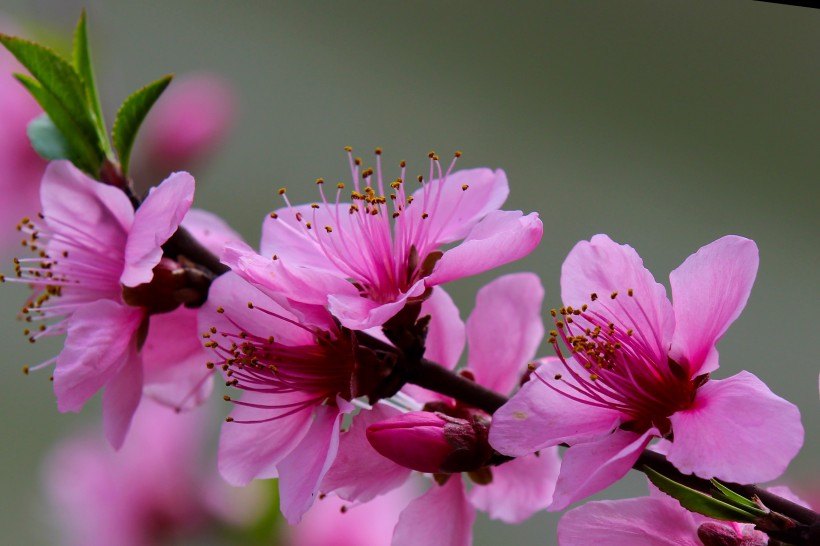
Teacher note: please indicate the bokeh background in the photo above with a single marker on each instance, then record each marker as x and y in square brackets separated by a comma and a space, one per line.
[663, 124]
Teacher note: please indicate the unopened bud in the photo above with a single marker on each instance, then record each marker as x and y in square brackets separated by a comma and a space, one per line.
[720, 534]
[432, 442]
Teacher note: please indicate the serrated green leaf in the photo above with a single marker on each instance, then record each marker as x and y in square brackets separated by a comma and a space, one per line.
[130, 117]
[737, 499]
[54, 74]
[58, 89]
[80, 150]
[695, 501]
[47, 140]
[81, 59]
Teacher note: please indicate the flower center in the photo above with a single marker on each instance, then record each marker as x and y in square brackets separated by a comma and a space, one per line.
[611, 363]
[258, 363]
[384, 240]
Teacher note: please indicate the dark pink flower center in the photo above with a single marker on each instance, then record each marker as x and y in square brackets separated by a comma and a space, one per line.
[611, 363]
[259, 363]
[383, 239]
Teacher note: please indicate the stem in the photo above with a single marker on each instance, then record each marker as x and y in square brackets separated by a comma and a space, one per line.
[183, 243]
[441, 380]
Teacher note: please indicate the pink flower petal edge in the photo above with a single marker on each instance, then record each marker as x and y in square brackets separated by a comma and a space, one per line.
[709, 291]
[520, 488]
[440, 517]
[736, 430]
[155, 222]
[505, 329]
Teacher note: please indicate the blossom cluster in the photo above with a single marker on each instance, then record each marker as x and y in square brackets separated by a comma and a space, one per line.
[342, 353]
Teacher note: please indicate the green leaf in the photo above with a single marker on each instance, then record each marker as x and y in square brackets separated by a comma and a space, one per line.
[695, 501]
[83, 152]
[47, 140]
[131, 115]
[81, 59]
[737, 499]
[60, 92]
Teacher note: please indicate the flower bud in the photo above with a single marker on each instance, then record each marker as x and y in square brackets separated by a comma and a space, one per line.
[720, 534]
[432, 442]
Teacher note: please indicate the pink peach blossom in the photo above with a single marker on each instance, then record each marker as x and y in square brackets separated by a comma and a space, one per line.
[93, 248]
[156, 488]
[638, 368]
[368, 258]
[297, 375]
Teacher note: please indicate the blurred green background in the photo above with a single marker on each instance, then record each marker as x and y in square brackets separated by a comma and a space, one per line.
[663, 124]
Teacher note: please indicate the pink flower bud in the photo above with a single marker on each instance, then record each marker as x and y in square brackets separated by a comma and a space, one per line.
[431, 442]
[713, 533]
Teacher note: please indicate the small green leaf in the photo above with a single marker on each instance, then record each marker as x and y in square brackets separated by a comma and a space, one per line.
[131, 115]
[737, 499]
[695, 501]
[81, 150]
[47, 140]
[57, 88]
[81, 59]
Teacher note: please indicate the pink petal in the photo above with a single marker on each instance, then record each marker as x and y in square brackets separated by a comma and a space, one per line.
[210, 230]
[520, 488]
[456, 210]
[446, 333]
[645, 521]
[289, 240]
[358, 313]
[173, 360]
[250, 451]
[232, 293]
[100, 336]
[602, 266]
[537, 417]
[359, 473]
[504, 330]
[369, 524]
[301, 472]
[500, 238]
[121, 397]
[280, 280]
[736, 430]
[154, 222]
[440, 517]
[593, 466]
[709, 290]
[72, 200]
